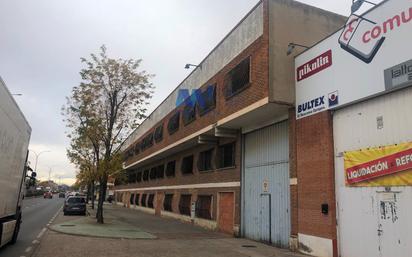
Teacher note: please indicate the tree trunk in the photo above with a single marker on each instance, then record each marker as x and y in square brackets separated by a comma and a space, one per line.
[102, 192]
[89, 188]
[93, 189]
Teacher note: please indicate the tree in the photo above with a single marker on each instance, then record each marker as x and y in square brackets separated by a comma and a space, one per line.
[106, 107]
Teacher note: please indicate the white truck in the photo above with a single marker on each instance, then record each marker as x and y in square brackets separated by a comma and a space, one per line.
[15, 134]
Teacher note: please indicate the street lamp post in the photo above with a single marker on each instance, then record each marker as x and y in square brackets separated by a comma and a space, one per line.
[37, 157]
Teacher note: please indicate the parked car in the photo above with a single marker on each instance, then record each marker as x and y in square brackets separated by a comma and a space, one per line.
[48, 194]
[62, 195]
[75, 205]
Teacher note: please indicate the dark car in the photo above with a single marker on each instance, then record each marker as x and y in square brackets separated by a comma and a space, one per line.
[48, 195]
[75, 205]
[62, 195]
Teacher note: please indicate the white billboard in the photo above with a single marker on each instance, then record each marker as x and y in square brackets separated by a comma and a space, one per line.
[371, 55]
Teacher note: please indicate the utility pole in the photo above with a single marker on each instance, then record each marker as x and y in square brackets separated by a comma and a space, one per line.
[37, 157]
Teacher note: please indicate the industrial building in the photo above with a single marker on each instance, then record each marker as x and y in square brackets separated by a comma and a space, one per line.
[225, 158]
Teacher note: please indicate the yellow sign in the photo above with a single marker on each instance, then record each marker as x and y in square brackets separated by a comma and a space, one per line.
[379, 166]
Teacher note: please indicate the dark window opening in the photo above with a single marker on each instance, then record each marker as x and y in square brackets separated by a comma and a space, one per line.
[153, 173]
[137, 199]
[187, 165]
[207, 100]
[226, 155]
[173, 124]
[147, 142]
[189, 112]
[143, 201]
[160, 171]
[139, 176]
[136, 149]
[132, 199]
[150, 201]
[131, 177]
[238, 78]
[171, 169]
[167, 204]
[146, 175]
[204, 207]
[184, 204]
[158, 134]
[205, 160]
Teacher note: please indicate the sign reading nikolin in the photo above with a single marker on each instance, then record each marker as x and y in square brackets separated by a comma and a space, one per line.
[314, 66]
[381, 166]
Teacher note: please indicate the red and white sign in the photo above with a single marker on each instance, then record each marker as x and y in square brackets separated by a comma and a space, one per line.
[314, 66]
[387, 165]
[362, 51]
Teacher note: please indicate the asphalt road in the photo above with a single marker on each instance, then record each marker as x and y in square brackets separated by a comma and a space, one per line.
[37, 213]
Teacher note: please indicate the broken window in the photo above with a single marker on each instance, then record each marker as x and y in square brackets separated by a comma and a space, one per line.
[147, 142]
[226, 155]
[204, 207]
[184, 204]
[173, 124]
[167, 203]
[204, 161]
[132, 199]
[171, 169]
[187, 165]
[238, 78]
[150, 201]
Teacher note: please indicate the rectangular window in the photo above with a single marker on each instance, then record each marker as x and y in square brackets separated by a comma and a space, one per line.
[173, 124]
[158, 134]
[171, 169]
[132, 199]
[150, 201]
[146, 175]
[147, 142]
[204, 207]
[238, 78]
[143, 201]
[160, 171]
[167, 204]
[136, 149]
[205, 160]
[226, 155]
[207, 100]
[184, 204]
[189, 112]
[139, 176]
[187, 165]
[153, 173]
[137, 199]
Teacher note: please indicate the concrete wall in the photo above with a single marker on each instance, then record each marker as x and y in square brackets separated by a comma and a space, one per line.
[291, 21]
[248, 31]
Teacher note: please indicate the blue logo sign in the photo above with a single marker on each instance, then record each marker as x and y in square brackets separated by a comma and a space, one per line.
[333, 99]
[197, 97]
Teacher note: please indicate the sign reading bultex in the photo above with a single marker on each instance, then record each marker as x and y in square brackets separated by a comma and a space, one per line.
[370, 55]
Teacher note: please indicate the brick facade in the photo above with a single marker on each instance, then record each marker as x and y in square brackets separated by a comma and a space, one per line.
[316, 180]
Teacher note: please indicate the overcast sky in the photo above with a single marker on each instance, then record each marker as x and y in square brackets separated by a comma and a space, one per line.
[41, 43]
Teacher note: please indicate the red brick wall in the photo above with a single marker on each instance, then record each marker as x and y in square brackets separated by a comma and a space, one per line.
[315, 171]
[293, 172]
[258, 89]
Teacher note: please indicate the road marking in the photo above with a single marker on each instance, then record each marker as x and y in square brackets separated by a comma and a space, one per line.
[28, 249]
[41, 232]
[35, 242]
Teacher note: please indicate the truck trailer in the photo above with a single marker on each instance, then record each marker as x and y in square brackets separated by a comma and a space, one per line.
[15, 134]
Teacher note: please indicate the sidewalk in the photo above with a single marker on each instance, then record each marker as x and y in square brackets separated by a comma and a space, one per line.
[168, 238]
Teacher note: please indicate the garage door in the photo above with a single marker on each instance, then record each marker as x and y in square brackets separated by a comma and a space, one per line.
[373, 220]
[266, 215]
